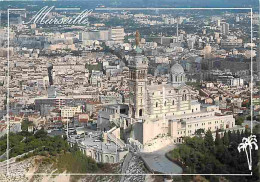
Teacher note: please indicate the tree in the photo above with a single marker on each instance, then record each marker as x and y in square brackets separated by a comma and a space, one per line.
[226, 139]
[256, 129]
[199, 131]
[209, 142]
[196, 142]
[238, 137]
[247, 132]
[229, 136]
[240, 120]
[233, 136]
[226, 157]
[218, 140]
[40, 134]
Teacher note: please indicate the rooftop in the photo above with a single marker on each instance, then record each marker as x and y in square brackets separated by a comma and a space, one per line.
[92, 140]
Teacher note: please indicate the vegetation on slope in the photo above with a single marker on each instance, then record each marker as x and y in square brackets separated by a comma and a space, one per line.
[205, 156]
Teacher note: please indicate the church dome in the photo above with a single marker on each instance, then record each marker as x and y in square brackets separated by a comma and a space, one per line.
[177, 69]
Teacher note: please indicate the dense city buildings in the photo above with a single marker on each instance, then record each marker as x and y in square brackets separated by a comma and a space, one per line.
[129, 88]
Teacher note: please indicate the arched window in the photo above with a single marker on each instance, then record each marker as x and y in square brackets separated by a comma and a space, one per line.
[184, 97]
[106, 159]
[112, 159]
[156, 104]
[172, 102]
[97, 156]
[165, 103]
[140, 112]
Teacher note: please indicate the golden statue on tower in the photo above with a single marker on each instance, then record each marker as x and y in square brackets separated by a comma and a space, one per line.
[137, 38]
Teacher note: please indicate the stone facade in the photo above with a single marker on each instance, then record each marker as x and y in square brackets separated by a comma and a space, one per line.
[168, 109]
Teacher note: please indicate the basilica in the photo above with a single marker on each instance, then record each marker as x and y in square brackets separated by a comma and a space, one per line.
[168, 108]
[161, 109]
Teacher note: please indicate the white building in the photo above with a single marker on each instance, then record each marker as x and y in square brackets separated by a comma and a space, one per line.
[225, 28]
[69, 112]
[116, 34]
[168, 109]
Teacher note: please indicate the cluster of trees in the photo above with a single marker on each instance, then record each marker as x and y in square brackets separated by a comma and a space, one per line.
[240, 120]
[257, 118]
[220, 156]
[55, 149]
[91, 67]
[38, 143]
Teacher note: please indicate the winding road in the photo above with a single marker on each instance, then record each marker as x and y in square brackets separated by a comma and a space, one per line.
[157, 161]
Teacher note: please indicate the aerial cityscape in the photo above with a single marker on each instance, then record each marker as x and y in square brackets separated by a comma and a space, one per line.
[130, 92]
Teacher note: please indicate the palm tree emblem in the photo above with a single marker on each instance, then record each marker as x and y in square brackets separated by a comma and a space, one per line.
[248, 143]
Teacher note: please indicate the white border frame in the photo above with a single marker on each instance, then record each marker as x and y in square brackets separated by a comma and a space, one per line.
[111, 174]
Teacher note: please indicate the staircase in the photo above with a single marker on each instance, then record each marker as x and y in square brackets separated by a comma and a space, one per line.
[117, 141]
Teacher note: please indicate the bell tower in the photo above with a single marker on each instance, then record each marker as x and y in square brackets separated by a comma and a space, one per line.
[138, 66]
